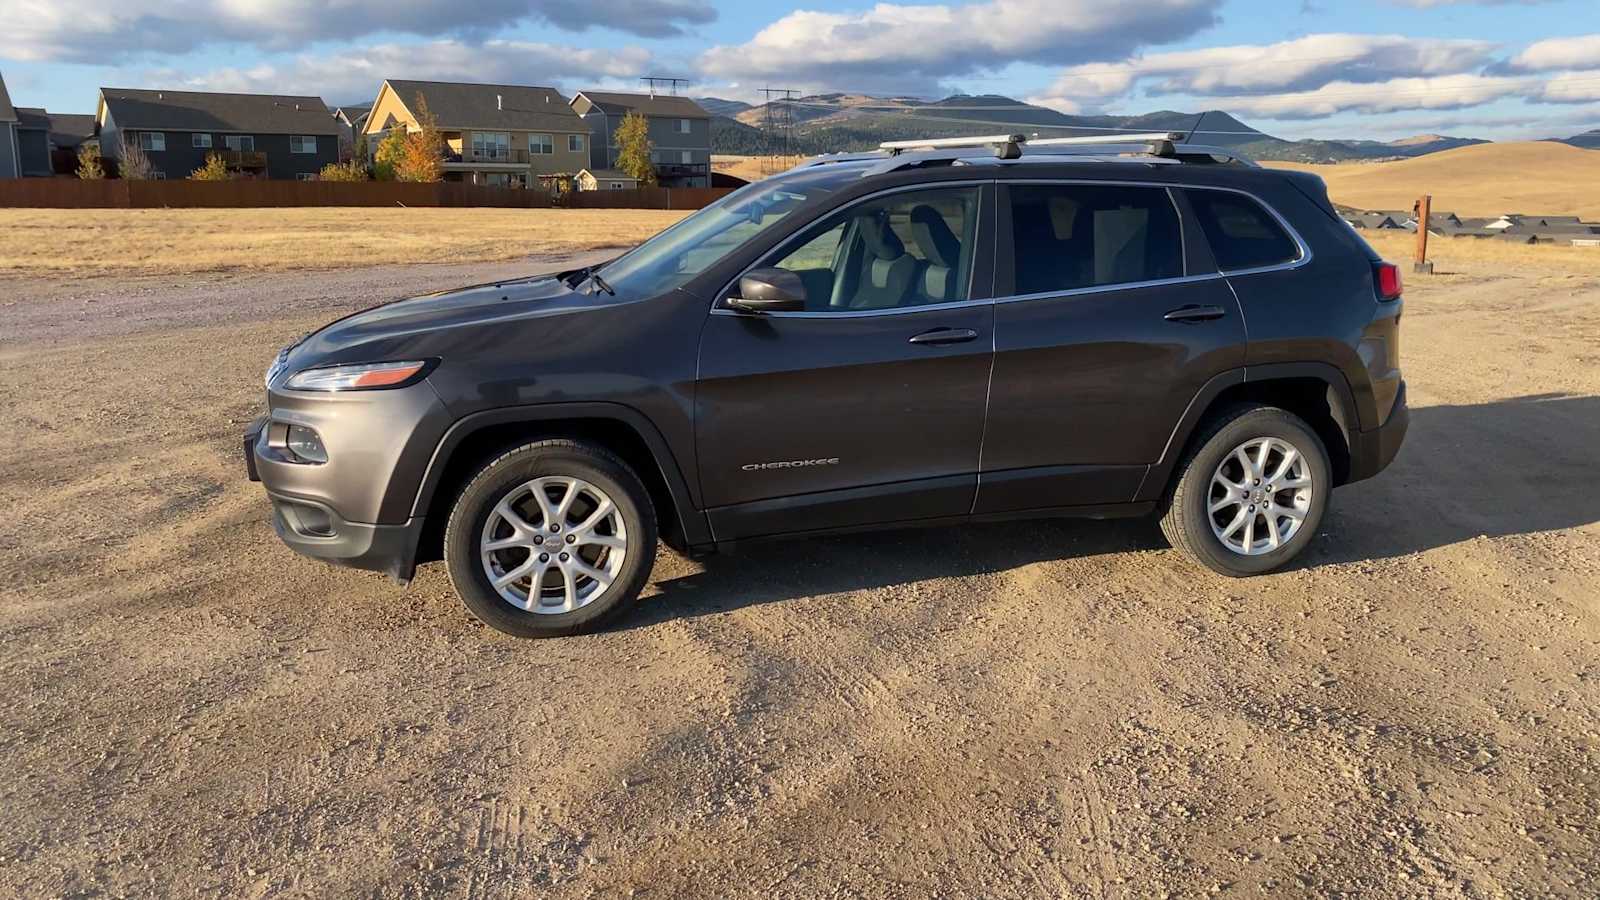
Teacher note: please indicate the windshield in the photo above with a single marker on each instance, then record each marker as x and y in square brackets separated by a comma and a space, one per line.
[691, 246]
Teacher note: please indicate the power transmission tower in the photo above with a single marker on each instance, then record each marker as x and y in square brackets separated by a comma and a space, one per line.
[778, 124]
[672, 83]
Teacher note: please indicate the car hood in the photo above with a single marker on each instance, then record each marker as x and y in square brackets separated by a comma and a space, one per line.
[423, 326]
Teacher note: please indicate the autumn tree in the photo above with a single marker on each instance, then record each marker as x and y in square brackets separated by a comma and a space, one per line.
[387, 157]
[423, 156]
[214, 170]
[134, 165]
[633, 148]
[89, 166]
[353, 170]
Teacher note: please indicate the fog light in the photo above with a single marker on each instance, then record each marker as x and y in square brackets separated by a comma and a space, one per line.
[306, 444]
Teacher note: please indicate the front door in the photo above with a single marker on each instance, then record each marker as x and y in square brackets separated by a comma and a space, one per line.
[1105, 330]
[867, 407]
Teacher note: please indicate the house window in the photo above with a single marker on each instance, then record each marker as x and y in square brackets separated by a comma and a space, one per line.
[686, 157]
[200, 141]
[493, 146]
[541, 143]
[158, 175]
[306, 176]
[241, 143]
[683, 126]
[575, 143]
[616, 185]
[302, 143]
[153, 140]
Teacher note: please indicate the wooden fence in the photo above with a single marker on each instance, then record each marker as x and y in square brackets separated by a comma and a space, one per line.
[70, 193]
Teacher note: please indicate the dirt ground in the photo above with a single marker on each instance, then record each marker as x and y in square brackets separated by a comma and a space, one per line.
[1030, 709]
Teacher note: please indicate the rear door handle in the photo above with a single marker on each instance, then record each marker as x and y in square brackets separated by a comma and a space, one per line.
[944, 336]
[1194, 313]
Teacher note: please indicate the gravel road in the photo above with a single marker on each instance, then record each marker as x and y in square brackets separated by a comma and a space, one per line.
[1012, 710]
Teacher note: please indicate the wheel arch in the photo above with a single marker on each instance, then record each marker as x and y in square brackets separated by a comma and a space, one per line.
[475, 439]
[1316, 392]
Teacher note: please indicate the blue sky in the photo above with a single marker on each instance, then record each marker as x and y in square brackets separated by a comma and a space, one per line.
[1378, 69]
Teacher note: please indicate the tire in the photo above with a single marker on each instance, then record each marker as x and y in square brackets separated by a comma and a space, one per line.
[1187, 521]
[484, 536]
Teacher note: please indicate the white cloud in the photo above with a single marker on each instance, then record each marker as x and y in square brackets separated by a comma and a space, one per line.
[894, 47]
[355, 75]
[101, 31]
[1295, 66]
[1571, 87]
[1444, 92]
[1559, 53]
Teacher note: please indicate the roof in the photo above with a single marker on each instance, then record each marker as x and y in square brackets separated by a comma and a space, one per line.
[142, 110]
[613, 103]
[32, 117]
[8, 113]
[608, 175]
[512, 107]
[71, 129]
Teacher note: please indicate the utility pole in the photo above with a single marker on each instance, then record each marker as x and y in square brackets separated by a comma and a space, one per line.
[1423, 209]
[655, 80]
[777, 117]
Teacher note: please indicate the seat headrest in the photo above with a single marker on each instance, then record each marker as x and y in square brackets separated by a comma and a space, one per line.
[934, 238]
[879, 238]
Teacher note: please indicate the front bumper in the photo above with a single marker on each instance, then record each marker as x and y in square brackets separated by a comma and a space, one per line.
[1372, 451]
[316, 530]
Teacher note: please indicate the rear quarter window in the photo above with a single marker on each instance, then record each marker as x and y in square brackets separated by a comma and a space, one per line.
[1241, 232]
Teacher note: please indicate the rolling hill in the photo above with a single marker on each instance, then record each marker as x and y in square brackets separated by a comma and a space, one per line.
[1480, 180]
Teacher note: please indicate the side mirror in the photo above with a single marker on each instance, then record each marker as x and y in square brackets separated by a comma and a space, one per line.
[770, 290]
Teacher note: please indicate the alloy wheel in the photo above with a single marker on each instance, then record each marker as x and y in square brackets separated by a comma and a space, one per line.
[1259, 496]
[553, 545]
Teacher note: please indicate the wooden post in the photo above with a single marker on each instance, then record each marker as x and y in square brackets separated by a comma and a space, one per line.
[1423, 208]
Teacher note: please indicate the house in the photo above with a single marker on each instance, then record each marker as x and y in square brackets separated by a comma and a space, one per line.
[495, 134]
[352, 124]
[257, 135]
[605, 180]
[33, 143]
[680, 133]
[10, 150]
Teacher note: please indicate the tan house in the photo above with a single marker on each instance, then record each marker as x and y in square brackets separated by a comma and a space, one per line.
[605, 180]
[495, 134]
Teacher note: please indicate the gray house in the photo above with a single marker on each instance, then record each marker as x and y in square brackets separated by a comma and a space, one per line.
[680, 133]
[257, 135]
[10, 149]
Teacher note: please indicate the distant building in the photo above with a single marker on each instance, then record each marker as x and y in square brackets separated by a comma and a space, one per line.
[680, 133]
[495, 134]
[352, 124]
[605, 180]
[257, 135]
[10, 147]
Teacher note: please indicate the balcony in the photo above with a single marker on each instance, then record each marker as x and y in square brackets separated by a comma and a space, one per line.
[682, 170]
[246, 160]
[506, 156]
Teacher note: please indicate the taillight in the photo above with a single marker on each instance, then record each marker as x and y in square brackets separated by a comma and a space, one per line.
[1388, 281]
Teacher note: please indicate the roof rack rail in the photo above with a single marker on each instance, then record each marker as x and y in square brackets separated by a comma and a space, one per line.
[1005, 146]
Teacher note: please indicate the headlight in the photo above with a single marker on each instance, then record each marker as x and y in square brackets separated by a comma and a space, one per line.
[367, 377]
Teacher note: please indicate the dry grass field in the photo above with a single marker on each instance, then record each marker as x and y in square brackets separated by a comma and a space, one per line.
[169, 241]
[1483, 180]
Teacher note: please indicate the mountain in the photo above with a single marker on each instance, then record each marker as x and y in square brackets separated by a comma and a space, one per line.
[720, 107]
[827, 123]
[1589, 140]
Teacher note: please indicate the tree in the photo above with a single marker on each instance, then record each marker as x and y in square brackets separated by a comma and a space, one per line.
[387, 157]
[135, 165]
[89, 166]
[345, 171]
[633, 148]
[423, 158]
[214, 170]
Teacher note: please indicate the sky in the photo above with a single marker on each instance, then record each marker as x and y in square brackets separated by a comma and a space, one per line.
[1373, 69]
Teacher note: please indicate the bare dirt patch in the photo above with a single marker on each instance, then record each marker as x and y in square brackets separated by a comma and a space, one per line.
[1026, 709]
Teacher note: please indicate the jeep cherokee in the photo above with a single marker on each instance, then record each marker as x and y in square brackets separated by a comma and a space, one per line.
[938, 332]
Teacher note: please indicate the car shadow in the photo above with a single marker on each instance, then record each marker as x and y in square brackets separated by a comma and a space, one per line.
[1516, 466]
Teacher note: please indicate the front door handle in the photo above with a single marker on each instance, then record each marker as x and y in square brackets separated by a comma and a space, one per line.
[944, 336]
[1193, 313]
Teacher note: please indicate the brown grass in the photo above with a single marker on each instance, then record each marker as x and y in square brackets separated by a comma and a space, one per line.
[105, 241]
[1473, 254]
[1483, 180]
[752, 168]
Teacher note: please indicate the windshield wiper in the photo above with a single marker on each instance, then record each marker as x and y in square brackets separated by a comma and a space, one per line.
[601, 283]
[577, 277]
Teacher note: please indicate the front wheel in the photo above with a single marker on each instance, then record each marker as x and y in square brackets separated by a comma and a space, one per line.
[1251, 493]
[552, 538]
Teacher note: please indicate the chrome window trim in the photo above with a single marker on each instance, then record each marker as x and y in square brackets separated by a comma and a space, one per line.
[1300, 242]
[1108, 288]
[718, 309]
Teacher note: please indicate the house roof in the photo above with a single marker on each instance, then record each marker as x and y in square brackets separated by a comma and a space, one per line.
[195, 111]
[8, 113]
[511, 107]
[613, 103]
[608, 175]
[71, 129]
[32, 117]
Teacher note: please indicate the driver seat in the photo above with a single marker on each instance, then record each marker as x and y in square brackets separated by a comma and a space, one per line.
[886, 269]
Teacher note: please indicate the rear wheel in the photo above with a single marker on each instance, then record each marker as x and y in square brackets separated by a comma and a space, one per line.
[552, 538]
[1251, 493]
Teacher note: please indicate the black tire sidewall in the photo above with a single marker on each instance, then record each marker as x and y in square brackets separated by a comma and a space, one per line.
[477, 501]
[1255, 423]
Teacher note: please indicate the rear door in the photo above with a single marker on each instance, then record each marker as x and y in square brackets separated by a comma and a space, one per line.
[1109, 317]
[867, 407]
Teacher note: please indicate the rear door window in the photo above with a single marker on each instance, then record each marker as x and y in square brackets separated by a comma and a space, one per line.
[1242, 233]
[1071, 236]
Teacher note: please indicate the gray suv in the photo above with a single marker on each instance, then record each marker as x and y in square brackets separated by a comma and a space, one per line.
[938, 332]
